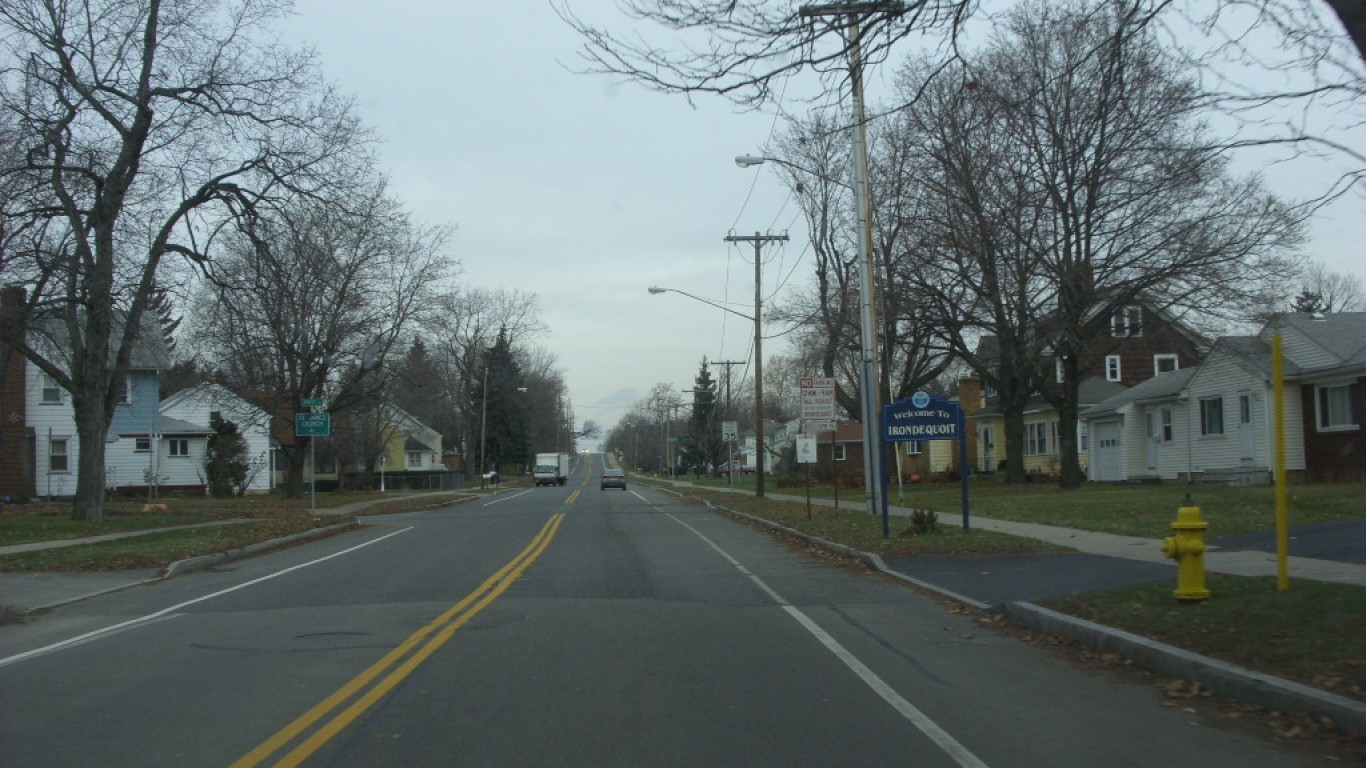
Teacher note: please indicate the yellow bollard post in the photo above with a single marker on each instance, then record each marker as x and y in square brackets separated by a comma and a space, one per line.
[1187, 548]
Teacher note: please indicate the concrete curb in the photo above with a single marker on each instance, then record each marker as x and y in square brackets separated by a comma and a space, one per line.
[9, 614]
[1224, 679]
[191, 564]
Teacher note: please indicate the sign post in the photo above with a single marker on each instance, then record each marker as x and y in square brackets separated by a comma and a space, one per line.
[312, 424]
[923, 416]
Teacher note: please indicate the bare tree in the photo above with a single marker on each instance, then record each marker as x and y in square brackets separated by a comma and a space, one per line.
[979, 282]
[467, 324]
[1136, 203]
[309, 301]
[1333, 291]
[146, 125]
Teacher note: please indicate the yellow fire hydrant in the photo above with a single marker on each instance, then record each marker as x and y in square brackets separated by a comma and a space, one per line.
[1187, 548]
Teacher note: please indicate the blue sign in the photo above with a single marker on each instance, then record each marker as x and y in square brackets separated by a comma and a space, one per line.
[922, 417]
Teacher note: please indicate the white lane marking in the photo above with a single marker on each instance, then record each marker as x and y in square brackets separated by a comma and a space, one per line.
[501, 499]
[6, 661]
[951, 746]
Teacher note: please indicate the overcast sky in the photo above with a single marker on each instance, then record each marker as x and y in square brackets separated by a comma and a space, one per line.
[585, 191]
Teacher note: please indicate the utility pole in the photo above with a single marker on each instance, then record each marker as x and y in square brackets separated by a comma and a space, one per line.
[758, 241]
[854, 12]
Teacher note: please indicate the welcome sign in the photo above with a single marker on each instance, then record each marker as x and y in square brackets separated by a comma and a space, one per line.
[922, 416]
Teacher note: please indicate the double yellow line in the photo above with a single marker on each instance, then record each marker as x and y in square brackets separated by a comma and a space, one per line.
[369, 687]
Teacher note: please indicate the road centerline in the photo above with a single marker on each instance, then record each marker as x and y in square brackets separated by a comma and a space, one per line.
[399, 663]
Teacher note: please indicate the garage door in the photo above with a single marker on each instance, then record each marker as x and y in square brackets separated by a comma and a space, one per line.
[1107, 452]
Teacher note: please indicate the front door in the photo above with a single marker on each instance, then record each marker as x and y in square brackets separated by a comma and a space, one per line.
[1247, 441]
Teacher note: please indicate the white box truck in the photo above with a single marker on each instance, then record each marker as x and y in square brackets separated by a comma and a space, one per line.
[551, 469]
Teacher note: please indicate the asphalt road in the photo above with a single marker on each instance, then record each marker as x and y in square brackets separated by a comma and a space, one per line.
[565, 626]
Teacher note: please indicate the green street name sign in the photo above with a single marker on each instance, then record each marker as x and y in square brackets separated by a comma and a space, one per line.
[312, 424]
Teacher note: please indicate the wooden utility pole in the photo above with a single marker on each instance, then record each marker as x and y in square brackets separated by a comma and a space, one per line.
[758, 241]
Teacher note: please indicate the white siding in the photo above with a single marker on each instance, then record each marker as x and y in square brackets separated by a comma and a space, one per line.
[1173, 456]
[195, 405]
[181, 470]
[50, 420]
[1222, 376]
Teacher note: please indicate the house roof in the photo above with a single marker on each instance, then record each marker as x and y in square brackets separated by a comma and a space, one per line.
[1091, 390]
[175, 427]
[1341, 334]
[1163, 386]
[150, 349]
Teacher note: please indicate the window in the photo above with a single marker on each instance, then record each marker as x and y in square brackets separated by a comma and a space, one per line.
[1127, 322]
[914, 447]
[142, 445]
[1036, 439]
[1056, 429]
[125, 391]
[1166, 425]
[1083, 436]
[52, 393]
[1165, 364]
[58, 456]
[178, 446]
[1112, 368]
[414, 459]
[1211, 415]
[840, 453]
[1058, 371]
[1337, 407]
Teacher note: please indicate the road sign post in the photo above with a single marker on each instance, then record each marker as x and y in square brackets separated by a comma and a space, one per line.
[312, 425]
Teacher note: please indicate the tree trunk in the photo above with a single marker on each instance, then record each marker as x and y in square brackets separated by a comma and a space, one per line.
[91, 430]
[294, 475]
[1067, 424]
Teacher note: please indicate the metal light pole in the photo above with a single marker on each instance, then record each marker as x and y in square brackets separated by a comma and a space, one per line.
[868, 373]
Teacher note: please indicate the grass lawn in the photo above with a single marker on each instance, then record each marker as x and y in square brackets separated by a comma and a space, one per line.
[1313, 633]
[268, 517]
[155, 550]
[1131, 510]
[855, 528]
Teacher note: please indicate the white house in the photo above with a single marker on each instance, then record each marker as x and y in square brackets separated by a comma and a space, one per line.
[1141, 433]
[1217, 422]
[189, 417]
[50, 419]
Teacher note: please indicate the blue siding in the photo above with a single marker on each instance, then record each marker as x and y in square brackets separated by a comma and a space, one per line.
[141, 416]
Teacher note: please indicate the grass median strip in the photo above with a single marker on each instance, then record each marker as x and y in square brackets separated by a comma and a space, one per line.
[156, 550]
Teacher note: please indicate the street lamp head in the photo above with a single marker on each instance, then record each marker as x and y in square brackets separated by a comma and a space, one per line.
[657, 289]
[745, 161]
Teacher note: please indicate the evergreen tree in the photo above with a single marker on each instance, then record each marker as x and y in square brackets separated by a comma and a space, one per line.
[225, 461]
[500, 406]
[703, 447]
[1308, 302]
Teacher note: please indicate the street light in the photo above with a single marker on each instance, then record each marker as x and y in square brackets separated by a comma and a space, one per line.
[758, 373]
[868, 374]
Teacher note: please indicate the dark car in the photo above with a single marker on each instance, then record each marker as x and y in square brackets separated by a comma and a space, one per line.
[613, 478]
